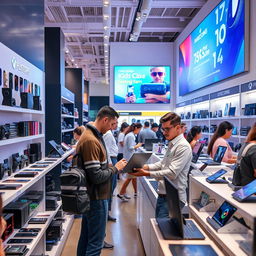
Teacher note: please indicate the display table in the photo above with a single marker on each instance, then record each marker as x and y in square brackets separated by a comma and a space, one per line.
[160, 247]
[218, 193]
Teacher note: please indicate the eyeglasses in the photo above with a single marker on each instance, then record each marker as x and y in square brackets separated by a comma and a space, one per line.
[157, 73]
[166, 129]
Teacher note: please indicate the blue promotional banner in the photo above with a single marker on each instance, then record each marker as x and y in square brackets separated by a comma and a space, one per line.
[250, 86]
[215, 50]
[142, 84]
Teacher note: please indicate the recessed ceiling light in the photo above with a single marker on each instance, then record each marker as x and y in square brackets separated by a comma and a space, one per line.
[106, 17]
[105, 27]
[72, 60]
[106, 37]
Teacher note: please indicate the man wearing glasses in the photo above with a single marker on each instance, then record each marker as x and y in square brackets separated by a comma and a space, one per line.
[158, 76]
[175, 164]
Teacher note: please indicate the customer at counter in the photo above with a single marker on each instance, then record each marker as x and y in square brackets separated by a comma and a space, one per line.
[194, 135]
[219, 138]
[248, 162]
[175, 164]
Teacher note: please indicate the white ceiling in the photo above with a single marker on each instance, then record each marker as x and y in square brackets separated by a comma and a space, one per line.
[82, 24]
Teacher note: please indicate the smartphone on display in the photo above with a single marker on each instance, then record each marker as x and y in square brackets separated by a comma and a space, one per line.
[37, 221]
[26, 234]
[15, 181]
[19, 241]
[215, 176]
[10, 80]
[5, 79]
[16, 83]
[25, 85]
[0, 76]
[30, 230]
[21, 85]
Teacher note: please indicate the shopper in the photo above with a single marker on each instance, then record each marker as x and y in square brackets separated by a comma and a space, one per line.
[99, 177]
[130, 147]
[175, 164]
[223, 132]
[77, 133]
[146, 133]
[194, 135]
[112, 152]
[248, 162]
[184, 129]
[120, 140]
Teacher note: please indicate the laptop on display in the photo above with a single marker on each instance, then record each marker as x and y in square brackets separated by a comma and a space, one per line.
[197, 151]
[217, 157]
[176, 227]
[148, 145]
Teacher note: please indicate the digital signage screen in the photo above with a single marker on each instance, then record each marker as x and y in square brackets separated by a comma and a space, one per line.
[142, 84]
[215, 50]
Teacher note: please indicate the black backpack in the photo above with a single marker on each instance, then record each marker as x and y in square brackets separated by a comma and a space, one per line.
[237, 180]
[74, 195]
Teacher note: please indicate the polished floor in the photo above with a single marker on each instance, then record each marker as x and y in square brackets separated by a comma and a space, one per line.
[123, 233]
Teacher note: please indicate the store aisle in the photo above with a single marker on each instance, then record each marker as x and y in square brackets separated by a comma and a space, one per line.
[123, 233]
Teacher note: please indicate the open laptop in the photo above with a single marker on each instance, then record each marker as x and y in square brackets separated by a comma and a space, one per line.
[217, 157]
[176, 227]
[136, 161]
[148, 145]
[197, 151]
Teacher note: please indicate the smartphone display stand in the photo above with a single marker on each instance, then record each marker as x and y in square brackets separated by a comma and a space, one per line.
[233, 187]
[231, 227]
[210, 207]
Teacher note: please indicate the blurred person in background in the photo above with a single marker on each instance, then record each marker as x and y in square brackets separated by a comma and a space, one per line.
[130, 147]
[194, 135]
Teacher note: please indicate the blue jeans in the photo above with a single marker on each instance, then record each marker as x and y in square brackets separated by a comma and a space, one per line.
[162, 209]
[114, 182]
[93, 229]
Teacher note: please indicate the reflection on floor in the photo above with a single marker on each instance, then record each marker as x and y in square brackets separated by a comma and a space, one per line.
[123, 233]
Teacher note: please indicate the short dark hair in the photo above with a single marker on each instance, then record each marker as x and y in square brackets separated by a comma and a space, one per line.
[79, 130]
[146, 124]
[154, 125]
[172, 117]
[107, 111]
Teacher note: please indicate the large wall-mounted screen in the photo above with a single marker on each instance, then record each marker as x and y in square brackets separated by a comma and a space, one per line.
[215, 50]
[142, 84]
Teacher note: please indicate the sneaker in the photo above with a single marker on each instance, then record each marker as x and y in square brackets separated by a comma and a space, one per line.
[127, 197]
[122, 198]
[107, 245]
[135, 194]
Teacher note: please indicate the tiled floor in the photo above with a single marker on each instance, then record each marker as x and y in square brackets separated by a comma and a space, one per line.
[123, 233]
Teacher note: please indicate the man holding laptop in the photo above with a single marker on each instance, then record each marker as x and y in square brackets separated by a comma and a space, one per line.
[175, 164]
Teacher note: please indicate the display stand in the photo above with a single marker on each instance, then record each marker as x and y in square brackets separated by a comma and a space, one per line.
[232, 227]
[210, 207]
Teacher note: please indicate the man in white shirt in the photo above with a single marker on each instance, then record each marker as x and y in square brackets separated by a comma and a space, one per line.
[112, 152]
[175, 164]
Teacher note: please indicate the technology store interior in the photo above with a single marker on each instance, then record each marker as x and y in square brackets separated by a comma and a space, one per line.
[127, 127]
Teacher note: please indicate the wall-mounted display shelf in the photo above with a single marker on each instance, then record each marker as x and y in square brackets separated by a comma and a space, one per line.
[20, 110]
[20, 139]
[67, 116]
[225, 105]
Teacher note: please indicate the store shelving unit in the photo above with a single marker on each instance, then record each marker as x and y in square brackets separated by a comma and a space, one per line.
[20, 139]
[237, 96]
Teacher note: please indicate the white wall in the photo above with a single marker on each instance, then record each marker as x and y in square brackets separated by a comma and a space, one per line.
[239, 79]
[140, 54]
[98, 89]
